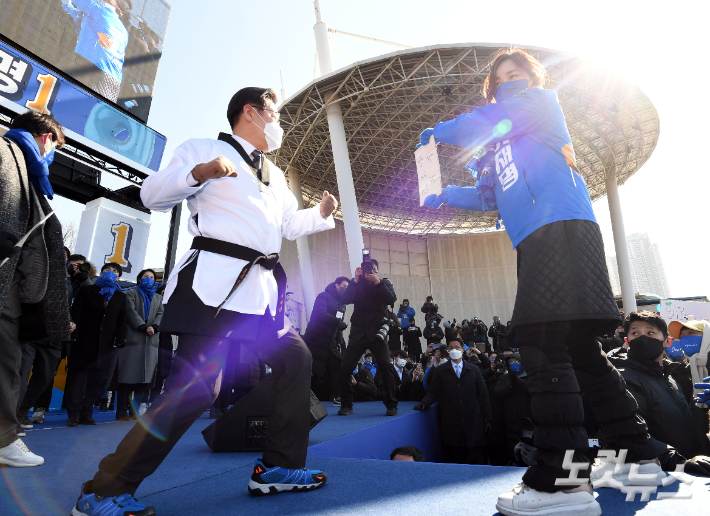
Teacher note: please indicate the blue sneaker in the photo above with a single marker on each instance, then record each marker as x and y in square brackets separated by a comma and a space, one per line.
[90, 504]
[265, 481]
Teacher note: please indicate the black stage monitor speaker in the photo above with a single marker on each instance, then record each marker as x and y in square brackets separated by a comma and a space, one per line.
[243, 427]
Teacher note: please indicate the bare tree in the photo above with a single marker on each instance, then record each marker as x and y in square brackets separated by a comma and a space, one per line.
[69, 234]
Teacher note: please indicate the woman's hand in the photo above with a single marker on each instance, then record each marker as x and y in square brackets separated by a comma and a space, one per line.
[150, 331]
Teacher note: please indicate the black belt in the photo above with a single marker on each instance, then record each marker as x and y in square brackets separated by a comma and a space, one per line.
[269, 262]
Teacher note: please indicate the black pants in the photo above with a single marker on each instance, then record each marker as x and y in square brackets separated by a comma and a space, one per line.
[193, 386]
[332, 372]
[355, 349]
[41, 360]
[10, 361]
[563, 359]
[229, 376]
[44, 400]
[80, 401]
[465, 455]
[124, 404]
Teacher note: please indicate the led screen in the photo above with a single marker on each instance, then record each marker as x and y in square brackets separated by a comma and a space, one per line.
[112, 47]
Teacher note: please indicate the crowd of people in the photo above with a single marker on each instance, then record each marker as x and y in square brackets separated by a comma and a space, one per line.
[485, 406]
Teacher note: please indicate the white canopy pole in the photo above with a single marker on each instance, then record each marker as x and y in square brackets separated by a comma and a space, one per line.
[628, 296]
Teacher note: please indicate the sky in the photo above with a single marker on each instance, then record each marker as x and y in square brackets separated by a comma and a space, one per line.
[215, 47]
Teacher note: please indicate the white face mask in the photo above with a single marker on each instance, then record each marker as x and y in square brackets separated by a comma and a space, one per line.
[455, 354]
[401, 363]
[273, 132]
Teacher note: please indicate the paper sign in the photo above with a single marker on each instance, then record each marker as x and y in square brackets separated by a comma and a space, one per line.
[22, 240]
[428, 170]
[674, 310]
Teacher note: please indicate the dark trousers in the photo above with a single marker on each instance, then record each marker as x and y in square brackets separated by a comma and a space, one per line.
[10, 361]
[355, 349]
[465, 455]
[44, 400]
[41, 360]
[332, 368]
[563, 359]
[229, 375]
[124, 403]
[193, 386]
[80, 401]
[157, 388]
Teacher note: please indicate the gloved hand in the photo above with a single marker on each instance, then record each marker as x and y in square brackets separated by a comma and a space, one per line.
[703, 397]
[698, 465]
[342, 325]
[437, 201]
[488, 429]
[7, 245]
[425, 136]
[421, 406]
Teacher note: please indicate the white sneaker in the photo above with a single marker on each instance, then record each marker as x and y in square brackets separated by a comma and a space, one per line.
[19, 456]
[610, 474]
[142, 409]
[526, 501]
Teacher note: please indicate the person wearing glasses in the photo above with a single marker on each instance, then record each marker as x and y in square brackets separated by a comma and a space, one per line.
[227, 290]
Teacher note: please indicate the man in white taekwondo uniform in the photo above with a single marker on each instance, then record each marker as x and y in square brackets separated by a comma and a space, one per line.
[229, 287]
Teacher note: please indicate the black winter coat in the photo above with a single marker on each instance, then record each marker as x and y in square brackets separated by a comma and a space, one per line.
[498, 337]
[463, 404]
[430, 309]
[511, 392]
[97, 328]
[433, 335]
[365, 389]
[662, 404]
[412, 335]
[324, 327]
[370, 306]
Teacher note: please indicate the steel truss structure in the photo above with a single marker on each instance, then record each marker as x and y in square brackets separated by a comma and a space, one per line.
[387, 101]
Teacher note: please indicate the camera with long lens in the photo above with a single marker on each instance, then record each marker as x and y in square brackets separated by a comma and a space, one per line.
[366, 264]
[387, 323]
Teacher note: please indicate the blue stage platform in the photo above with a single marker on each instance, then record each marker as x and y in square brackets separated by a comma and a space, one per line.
[194, 481]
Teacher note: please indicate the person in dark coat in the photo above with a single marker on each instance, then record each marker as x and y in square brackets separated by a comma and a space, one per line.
[371, 297]
[324, 335]
[660, 400]
[364, 388]
[430, 309]
[433, 333]
[99, 312]
[498, 334]
[511, 393]
[464, 406]
[137, 361]
[412, 344]
[32, 280]
[394, 335]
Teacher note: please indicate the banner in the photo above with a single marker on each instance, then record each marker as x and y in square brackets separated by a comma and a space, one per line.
[30, 85]
[673, 310]
[112, 232]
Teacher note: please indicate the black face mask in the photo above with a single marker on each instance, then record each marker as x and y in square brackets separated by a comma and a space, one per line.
[645, 348]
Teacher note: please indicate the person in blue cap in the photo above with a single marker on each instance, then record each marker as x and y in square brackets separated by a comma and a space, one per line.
[525, 168]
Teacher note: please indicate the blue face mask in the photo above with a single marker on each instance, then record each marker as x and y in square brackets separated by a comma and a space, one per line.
[368, 362]
[49, 158]
[109, 275]
[515, 367]
[675, 352]
[510, 89]
[691, 345]
[147, 282]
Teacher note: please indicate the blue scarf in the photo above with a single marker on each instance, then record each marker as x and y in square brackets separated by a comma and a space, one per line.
[147, 295]
[108, 287]
[37, 166]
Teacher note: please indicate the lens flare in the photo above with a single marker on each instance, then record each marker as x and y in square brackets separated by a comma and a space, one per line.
[502, 128]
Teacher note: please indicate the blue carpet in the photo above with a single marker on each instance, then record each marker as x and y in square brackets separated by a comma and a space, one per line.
[194, 481]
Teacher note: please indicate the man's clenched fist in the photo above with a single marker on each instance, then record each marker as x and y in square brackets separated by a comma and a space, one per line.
[218, 167]
[327, 205]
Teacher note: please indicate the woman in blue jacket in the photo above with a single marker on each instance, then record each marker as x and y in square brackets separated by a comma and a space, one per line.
[525, 169]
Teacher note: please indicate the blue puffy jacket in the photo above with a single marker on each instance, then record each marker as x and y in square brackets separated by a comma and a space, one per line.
[529, 173]
[406, 315]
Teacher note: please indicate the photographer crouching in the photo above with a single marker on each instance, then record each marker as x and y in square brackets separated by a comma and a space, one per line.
[369, 326]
